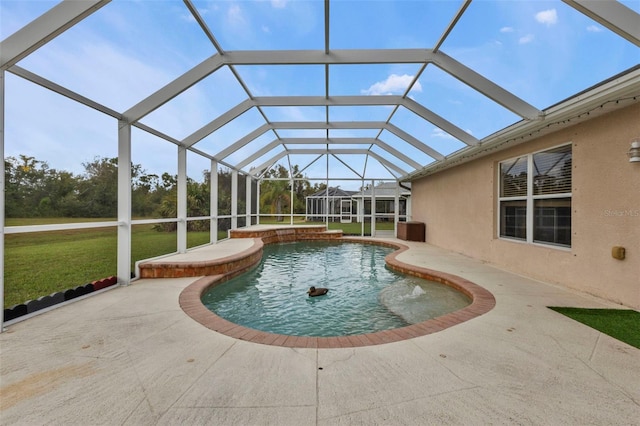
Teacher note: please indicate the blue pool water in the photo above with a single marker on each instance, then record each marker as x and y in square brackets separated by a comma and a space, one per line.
[364, 295]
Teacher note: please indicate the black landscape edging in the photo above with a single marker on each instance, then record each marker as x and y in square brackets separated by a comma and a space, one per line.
[31, 306]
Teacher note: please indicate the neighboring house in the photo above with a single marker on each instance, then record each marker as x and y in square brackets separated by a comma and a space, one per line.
[385, 196]
[334, 201]
[352, 206]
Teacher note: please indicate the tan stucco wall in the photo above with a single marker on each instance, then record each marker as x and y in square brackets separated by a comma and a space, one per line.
[459, 207]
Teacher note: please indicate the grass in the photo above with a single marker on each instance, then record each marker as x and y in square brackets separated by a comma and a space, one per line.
[621, 324]
[40, 263]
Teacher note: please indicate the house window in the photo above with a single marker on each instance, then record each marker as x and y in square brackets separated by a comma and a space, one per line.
[535, 197]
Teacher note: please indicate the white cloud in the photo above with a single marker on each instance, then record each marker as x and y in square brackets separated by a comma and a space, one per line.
[202, 11]
[236, 16]
[526, 39]
[506, 30]
[394, 84]
[279, 4]
[548, 17]
[594, 29]
[437, 132]
[266, 29]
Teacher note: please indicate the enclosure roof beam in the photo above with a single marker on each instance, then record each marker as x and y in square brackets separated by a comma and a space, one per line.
[487, 87]
[611, 14]
[358, 100]
[247, 104]
[346, 152]
[348, 166]
[203, 25]
[415, 142]
[333, 57]
[316, 57]
[302, 125]
[173, 89]
[361, 125]
[259, 169]
[332, 125]
[44, 29]
[271, 57]
[440, 122]
[452, 25]
[399, 155]
[293, 125]
[388, 164]
[243, 141]
[50, 85]
[313, 141]
[220, 121]
[259, 153]
[353, 141]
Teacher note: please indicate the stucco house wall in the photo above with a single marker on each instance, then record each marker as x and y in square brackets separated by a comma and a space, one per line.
[460, 205]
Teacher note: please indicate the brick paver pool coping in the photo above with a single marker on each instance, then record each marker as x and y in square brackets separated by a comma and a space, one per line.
[482, 302]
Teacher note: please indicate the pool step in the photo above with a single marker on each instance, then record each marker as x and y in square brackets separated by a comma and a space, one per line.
[215, 260]
[284, 234]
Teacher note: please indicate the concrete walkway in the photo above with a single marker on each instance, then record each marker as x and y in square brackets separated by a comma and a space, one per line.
[131, 356]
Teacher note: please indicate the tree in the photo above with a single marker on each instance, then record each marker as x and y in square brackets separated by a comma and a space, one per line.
[33, 189]
[275, 194]
[99, 188]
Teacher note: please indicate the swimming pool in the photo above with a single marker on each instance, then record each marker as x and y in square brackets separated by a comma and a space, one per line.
[365, 296]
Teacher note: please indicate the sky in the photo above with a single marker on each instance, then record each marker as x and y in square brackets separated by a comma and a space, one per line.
[541, 51]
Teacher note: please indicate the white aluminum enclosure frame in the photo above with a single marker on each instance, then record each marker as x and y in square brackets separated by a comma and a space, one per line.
[614, 16]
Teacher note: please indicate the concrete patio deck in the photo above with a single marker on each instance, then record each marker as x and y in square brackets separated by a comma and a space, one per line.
[131, 356]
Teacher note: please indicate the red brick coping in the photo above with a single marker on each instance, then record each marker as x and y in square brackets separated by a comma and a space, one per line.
[482, 302]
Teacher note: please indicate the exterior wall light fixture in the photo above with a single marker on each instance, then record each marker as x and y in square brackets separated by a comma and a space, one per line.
[634, 151]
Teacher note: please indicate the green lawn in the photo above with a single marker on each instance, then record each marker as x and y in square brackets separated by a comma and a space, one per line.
[40, 263]
[621, 324]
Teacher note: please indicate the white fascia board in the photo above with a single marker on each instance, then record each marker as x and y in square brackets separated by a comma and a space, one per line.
[625, 85]
[44, 29]
[173, 89]
[613, 15]
[440, 122]
[487, 87]
[415, 142]
[243, 141]
[220, 121]
[320, 57]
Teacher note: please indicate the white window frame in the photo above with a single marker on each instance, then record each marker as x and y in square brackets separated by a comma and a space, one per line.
[529, 200]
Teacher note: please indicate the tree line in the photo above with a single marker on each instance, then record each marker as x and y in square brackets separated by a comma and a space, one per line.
[33, 189]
